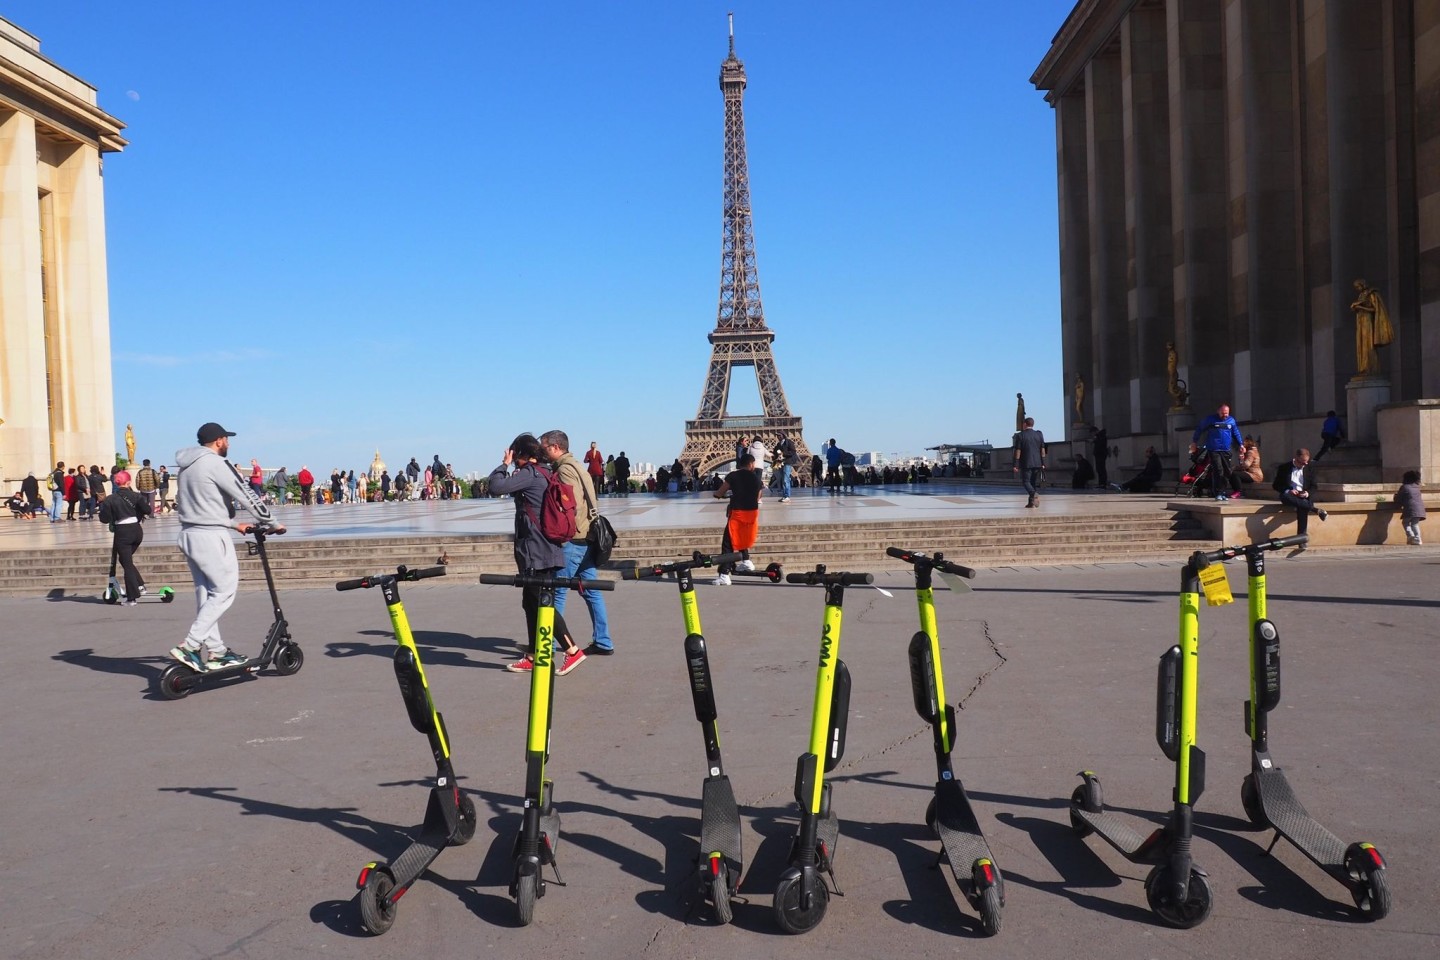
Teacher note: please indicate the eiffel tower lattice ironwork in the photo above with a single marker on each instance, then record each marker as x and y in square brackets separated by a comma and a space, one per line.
[741, 337]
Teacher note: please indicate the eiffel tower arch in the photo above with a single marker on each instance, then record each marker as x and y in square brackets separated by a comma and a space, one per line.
[740, 338]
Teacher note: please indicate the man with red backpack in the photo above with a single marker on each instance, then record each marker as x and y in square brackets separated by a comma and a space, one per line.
[539, 520]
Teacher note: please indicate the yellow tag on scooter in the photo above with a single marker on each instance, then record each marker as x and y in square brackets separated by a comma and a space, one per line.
[1215, 585]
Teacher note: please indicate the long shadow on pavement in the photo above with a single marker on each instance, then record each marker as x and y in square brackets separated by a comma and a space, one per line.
[436, 648]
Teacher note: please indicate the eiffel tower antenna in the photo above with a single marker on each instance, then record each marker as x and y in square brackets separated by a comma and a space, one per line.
[740, 338]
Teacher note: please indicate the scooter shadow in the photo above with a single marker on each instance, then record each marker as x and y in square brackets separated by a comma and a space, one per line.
[58, 595]
[149, 668]
[1278, 887]
[436, 649]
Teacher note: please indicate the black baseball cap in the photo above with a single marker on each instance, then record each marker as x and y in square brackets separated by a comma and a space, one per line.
[211, 432]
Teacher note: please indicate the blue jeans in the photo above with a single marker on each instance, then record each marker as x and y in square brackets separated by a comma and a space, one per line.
[580, 562]
[56, 498]
[1030, 479]
[785, 480]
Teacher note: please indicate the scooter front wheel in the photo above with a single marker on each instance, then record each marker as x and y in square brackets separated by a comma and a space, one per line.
[166, 595]
[289, 659]
[1077, 802]
[175, 681]
[465, 828]
[1185, 915]
[377, 916]
[791, 914]
[527, 889]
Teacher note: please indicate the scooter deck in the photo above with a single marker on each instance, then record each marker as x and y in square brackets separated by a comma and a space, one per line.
[827, 832]
[960, 834]
[1115, 829]
[550, 829]
[719, 819]
[1289, 818]
[434, 837]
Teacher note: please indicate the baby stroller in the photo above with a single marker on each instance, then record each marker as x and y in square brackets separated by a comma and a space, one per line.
[1197, 477]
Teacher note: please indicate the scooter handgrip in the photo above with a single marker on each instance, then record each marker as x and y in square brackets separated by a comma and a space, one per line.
[427, 573]
[807, 577]
[851, 579]
[498, 579]
[638, 572]
[733, 557]
[598, 584]
[1281, 542]
[956, 569]
[899, 553]
[353, 584]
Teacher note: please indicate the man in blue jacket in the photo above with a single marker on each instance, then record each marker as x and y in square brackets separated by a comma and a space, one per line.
[1220, 435]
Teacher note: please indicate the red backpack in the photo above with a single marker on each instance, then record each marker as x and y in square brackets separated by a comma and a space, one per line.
[557, 509]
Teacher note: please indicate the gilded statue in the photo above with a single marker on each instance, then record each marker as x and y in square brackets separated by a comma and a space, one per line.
[129, 444]
[1079, 398]
[1372, 328]
[1019, 412]
[1179, 394]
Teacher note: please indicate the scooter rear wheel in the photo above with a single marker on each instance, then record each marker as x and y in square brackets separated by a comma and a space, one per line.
[1372, 898]
[377, 916]
[166, 595]
[174, 682]
[990, 910]
[1250, 800]
[794, 918]
[465, 829]
[720, 896]
[527, 889]
[1077, 801]
[289, 659]
[1185, 915]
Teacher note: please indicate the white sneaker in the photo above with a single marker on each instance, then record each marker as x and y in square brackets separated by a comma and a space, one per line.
[747, 565]
[722, 581]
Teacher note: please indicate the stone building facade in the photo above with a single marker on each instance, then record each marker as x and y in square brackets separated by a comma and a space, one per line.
[55, 387]
[1227, 169]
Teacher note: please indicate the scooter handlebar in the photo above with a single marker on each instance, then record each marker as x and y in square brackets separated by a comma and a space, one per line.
[936, 561]
[424, 574]
[1245, 549]
[697, 559]
[817, 577]
[362, 582]
[568, 583]
[401, 573]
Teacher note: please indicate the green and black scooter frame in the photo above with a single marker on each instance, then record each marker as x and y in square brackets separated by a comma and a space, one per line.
[949, 814]
[279, 649]
[1265, 793]
[115, 587]
[720, 861]
[802, 896]
[1177, 890]
[539, 838]
[449, 814]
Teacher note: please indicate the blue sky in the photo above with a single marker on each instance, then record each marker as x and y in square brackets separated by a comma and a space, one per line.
[426, 227]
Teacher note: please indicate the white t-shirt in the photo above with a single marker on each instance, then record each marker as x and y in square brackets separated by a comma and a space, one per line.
[1297, 477]
[757, 450]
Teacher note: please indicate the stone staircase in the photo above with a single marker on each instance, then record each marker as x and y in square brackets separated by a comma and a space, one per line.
[314, 562]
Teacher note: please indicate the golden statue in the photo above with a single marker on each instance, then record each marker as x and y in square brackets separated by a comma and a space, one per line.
[129, 444]
[1179, 395]
[1079, 398]
[1372, 329]
[1019, 412]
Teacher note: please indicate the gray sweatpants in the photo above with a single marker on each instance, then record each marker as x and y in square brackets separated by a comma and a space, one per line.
[211, 555]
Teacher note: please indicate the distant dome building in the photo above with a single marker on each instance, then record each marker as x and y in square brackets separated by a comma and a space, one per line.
[377, 466]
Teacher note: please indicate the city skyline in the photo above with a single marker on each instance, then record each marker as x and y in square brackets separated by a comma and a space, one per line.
[367, 262]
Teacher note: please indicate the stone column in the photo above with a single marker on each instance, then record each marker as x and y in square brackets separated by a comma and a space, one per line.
[1199, 201]
[1151, 298]
[1108, 400]
[25, 438]
[1070, 141]
[1427, 192]
[1400, 286]
[1271, 369]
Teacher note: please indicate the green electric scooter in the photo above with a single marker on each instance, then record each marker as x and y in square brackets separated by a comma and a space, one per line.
[949, 814]
[1265, 793]
[449, 814]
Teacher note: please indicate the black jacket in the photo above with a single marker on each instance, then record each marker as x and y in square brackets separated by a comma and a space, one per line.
[124, 504]
[1281, 479]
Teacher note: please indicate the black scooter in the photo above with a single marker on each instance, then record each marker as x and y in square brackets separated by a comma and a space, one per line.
[1266, 795]
[801, 897]
[720, 860]
[177, 680]
[449, 814]
[949, 814]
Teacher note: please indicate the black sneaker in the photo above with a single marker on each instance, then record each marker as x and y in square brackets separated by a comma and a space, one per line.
[595, 650]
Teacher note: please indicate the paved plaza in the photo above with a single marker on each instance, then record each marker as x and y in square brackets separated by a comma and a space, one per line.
[233, 823]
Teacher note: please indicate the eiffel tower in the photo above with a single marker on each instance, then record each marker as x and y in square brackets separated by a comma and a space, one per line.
[741, 338]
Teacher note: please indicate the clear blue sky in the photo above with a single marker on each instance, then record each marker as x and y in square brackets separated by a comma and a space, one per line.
[426, 227]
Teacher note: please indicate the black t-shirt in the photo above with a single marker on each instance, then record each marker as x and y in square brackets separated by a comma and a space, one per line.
[744, 489]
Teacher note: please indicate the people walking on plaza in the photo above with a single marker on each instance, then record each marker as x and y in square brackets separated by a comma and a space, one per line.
[362, 488]
[1149, 475]
[1100, 452]
[832, 465]
[622, 474]
[125, 510]
[257, 478]
[1295, 482]
[594, 464]
[789, 458]
[759, 452]
[1411, 502]
[412, 475]
[147, 483]
[97, 490]
[55, 485]
[608, 481]
[535, 555]
[80, 488]
[208, 489]
[280, 480]
[742, 517]
[306, 479]
[817, 472]
[1031, 455]
[30, 490]
[1331, 433]
[579, 554]
[1220, 436]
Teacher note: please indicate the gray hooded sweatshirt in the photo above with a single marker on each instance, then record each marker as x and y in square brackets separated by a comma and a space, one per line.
[208, 489]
